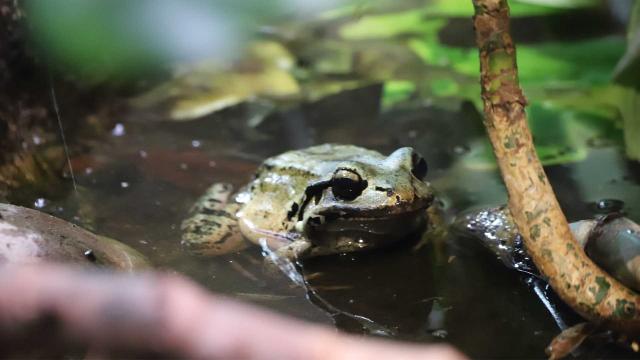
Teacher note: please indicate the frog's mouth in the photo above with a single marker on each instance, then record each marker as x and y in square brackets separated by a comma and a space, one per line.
[335, 233]
[367, 223]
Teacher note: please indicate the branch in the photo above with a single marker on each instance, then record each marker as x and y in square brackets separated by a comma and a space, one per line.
[169, 316]
[577, 280]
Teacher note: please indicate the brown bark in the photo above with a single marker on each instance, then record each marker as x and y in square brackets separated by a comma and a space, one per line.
[579, 282]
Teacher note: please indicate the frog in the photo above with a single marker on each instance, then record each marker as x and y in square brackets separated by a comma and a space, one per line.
[321, 200]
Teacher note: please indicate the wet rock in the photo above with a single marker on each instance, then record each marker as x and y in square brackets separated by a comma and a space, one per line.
[611, 241]
[614, 244]
[28, 236]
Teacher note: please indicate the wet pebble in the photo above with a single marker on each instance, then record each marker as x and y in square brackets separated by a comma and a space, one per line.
[461, 149]
[607, 206]
[441, 333]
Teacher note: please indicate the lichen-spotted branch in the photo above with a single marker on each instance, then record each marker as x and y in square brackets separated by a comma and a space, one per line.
[579, 282]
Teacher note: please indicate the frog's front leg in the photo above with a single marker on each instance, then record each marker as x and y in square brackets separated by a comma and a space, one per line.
[284, 258]
[212, 227]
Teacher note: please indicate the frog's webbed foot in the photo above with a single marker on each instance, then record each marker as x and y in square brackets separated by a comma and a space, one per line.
[436, 230]
[283, 260]
[212, 227]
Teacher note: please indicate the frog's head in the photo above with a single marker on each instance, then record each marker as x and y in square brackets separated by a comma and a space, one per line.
[366, 201]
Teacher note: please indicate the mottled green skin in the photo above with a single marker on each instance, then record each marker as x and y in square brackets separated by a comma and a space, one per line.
[291, 209]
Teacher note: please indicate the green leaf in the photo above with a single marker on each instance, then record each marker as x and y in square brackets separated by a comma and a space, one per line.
[463, 8]
[538, 63]
[561, 136]
[444, 87]
[627, 71]
[381, 26]
[561, 4]
[631, 116]
[397, 91]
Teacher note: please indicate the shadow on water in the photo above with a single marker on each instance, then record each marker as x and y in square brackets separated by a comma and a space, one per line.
[139, 184]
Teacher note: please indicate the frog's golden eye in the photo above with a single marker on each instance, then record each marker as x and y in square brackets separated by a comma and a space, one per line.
[347, 184]
[418, 166]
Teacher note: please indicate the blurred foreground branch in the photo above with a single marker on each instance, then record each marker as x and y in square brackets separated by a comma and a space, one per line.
[579, 282]
[168, 315]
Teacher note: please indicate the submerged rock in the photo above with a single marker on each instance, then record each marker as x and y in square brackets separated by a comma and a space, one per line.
[611, 241]
[28, 236]
[614, 244]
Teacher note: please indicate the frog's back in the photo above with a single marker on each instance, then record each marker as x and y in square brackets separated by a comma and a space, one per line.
[317, 161]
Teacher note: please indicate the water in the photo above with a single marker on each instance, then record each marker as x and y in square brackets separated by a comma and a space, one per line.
[137, 185]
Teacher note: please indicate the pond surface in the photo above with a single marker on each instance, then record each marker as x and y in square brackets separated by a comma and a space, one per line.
[138, 184]
[411, 84]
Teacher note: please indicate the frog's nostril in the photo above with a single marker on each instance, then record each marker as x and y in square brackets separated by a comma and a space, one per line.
[388, 191]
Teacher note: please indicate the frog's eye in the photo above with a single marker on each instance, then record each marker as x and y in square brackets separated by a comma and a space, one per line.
[418, 166]
[347, 184]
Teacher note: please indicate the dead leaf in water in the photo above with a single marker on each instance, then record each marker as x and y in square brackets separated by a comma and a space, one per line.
[203, 88]
[569, 340]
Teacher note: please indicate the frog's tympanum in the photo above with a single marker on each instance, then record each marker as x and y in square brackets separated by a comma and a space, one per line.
[321, 200]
